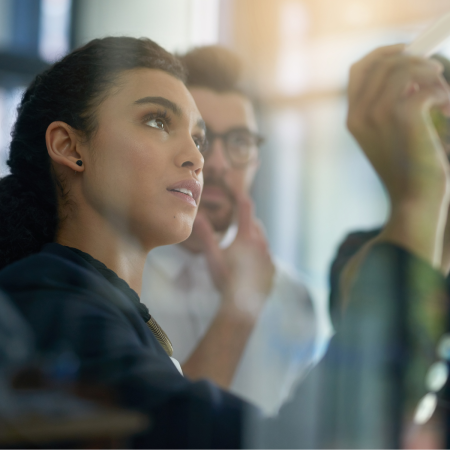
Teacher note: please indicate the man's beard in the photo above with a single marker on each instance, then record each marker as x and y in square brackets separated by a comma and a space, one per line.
[220, 216]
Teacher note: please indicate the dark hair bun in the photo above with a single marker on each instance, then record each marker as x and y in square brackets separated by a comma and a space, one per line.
[29, 221]
[213, 67]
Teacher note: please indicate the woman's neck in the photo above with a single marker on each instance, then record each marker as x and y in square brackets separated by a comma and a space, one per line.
[92, 234]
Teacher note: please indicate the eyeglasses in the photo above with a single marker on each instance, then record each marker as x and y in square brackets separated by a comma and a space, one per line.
[241, 145]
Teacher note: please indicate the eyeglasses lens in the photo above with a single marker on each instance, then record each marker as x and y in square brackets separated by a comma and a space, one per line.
[241, 146]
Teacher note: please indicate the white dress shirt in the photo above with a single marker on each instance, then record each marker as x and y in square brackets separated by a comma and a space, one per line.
[290, 336]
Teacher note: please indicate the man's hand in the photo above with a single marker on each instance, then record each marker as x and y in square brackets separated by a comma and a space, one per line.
[390, 95]
[244, 271]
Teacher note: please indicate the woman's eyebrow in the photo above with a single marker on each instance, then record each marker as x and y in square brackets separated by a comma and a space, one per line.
[161, 101]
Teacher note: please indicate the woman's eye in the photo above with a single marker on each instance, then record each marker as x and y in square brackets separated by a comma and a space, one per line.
[157, 123]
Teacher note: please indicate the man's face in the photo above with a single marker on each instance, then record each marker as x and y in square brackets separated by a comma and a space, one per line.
[223, 112]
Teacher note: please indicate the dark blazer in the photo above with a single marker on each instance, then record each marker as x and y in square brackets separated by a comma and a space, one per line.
[354, 399]
[69, 304]
[399, 310]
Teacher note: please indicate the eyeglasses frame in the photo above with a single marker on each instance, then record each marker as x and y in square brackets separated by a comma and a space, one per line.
[211, 136]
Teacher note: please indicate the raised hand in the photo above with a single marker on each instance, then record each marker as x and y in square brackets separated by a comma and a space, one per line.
[244, 271]
[390, 95]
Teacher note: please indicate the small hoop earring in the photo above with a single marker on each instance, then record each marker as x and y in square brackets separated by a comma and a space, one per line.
[79, 163]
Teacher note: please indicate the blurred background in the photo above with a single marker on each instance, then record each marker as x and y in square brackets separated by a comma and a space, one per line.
[314, 185]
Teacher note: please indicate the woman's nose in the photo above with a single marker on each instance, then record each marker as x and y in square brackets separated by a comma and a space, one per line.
[191, 158]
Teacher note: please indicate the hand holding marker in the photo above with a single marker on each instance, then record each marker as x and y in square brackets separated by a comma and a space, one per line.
[426, 44]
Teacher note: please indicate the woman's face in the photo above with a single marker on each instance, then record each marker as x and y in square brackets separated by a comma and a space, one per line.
[143, 167]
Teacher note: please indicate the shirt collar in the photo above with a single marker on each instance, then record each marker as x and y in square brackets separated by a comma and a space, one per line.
[229, 236]
[172, 259]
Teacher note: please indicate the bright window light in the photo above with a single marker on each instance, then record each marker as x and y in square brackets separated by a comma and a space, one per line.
[54, 39]
[205, 22]
[292, 74]
[9, 100]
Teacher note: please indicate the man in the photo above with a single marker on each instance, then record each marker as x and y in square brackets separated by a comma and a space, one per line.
[389, 96]
[260, 342]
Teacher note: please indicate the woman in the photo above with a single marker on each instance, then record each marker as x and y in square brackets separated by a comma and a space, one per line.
[106, 164]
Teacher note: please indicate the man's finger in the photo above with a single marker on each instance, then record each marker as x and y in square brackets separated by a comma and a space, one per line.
[205, 232]
[245, 214]
[212, 251]
[260, 230]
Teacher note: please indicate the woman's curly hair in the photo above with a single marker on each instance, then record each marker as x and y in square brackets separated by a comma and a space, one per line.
[70, 91]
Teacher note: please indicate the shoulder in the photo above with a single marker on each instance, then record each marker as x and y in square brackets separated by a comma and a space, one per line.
[53, 267]
[57, 289]
[38, 269]
[58, 278]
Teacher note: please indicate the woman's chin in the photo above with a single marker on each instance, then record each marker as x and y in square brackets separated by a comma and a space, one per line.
[181, 238]
[174, 236]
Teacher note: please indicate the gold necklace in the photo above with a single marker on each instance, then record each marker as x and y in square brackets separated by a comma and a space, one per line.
[161, 337]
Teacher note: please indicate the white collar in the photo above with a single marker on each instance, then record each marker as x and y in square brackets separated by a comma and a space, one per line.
[229, 236]
[172, 259]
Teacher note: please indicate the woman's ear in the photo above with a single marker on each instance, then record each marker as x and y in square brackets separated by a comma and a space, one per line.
[62, 146]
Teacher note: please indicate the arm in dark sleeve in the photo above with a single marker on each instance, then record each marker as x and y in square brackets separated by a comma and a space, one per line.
[385, 341]
[139, 375]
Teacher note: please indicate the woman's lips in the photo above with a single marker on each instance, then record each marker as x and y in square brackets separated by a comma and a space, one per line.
[187, 190]
[185, 197]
